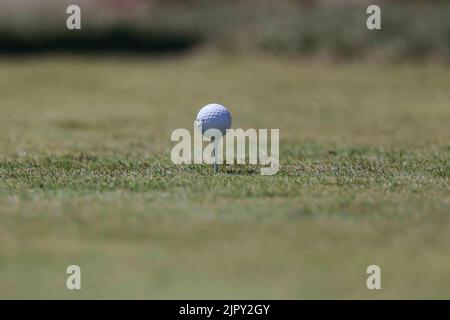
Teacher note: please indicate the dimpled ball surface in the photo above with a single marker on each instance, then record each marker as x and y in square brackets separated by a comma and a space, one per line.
[214, 116]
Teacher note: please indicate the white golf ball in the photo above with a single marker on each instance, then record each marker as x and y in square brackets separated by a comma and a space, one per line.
[214, 116]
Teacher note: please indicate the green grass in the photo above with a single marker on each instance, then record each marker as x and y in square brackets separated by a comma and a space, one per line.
[85, 178]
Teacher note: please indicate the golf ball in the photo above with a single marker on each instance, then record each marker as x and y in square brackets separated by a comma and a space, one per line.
[214, 116]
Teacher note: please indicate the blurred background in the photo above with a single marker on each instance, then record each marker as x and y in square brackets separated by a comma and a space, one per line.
[331, 29]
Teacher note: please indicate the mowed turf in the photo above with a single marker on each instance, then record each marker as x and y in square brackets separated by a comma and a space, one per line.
[86, 179]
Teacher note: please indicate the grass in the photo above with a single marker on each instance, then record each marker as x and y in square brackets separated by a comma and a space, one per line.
[85, 178]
